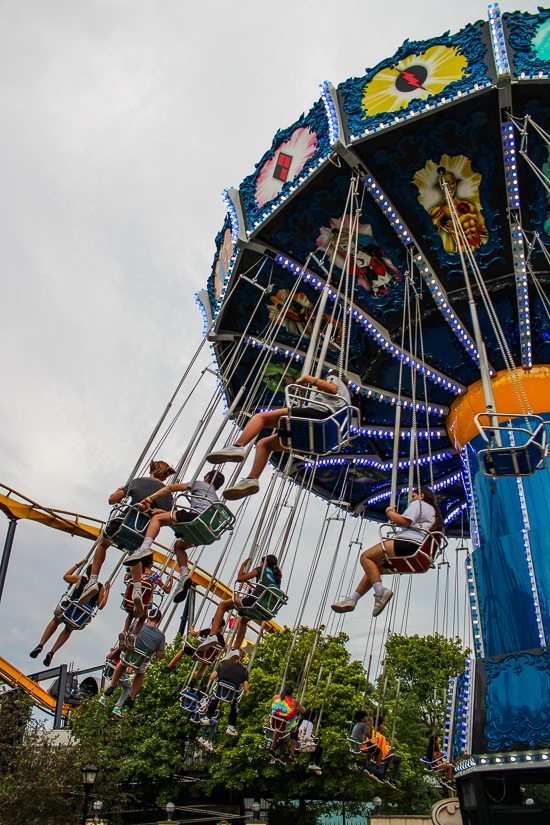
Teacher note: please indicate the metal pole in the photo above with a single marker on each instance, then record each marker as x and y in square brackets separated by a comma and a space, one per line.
[87, 789]
[395, 452]
[58, 719]
[7, 552]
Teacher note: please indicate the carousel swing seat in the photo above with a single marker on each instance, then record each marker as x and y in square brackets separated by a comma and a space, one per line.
[422, 560]
[318, 436]
[226, 691]
[268, 601]
[207, 655]
[128, 596]
[516, 459]
[135, 659]
[189, 700]
[207, 527]
[128, 535]
[361, 748]
[77, 616]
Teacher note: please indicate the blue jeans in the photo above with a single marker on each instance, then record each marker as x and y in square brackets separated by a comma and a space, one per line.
[212, 727]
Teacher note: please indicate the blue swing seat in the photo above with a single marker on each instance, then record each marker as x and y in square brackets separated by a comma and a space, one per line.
[189, 700]
[513, 460]
[130, 534]
[318, 436]
[77, 615]
[226, 691]
[108, 670]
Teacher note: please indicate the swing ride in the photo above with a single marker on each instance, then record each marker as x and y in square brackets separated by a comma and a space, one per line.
[395, 240]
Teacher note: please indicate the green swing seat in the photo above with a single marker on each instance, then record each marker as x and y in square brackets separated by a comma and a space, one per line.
[208, 526]
[135, 658]
[266, 605]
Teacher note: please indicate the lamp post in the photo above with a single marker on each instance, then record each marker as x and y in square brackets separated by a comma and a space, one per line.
[170, 808]
[256, 808]
[376, 802]
[89, 774]
[97, 806]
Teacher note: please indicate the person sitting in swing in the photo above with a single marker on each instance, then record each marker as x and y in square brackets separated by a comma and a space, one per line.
[203, 494]
[332, 386]
[152, 641]
[421, 515]
[303, 734]
[266, 574]
[80, 581]
[383, 758]
[237, 675]
[190, 650]
[137, 489]
[150, 577]
[286, 708]
[434, 754]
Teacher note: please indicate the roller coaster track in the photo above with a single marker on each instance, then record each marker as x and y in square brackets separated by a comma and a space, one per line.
[16, 505]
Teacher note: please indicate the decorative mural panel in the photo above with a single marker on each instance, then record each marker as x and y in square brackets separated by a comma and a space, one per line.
[529, 38]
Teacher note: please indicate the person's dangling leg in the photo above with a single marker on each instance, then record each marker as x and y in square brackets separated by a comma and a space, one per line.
[370, 561]
[241, 632]
[92, 586]
[50, 630]
[184, 584]
[221, 610]
[61, 639]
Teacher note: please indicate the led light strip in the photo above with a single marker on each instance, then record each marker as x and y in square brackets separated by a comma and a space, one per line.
[331, 113]
[474, 607]
[518, 247]
[454, 513]
[498, 41]
[374, 331]
[528, 553]
[434, 285]
[463, 707]
[440, 456]
[449, 717]
[234, 218]
[439, 486]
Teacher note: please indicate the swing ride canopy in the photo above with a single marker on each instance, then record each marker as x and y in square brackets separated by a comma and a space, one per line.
[353, 194]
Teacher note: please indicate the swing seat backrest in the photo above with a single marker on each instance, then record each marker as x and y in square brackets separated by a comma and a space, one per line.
[355, 746]
[514, 459]
[189, 701]
[207, 527]
[108, 670]
[422, 560]
[207, 655]
[317, 436]
[277, 724]
[128, 596]
[267, 604]
[431, 766]
[77, 615]
[225, 691]
[131, 532]
[135, 658]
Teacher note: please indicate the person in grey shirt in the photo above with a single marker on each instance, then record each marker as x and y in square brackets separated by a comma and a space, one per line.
[137, 490]
[202, 494]
[150, 640]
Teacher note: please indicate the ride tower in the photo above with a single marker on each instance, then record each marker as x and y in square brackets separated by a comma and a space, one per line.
[402, 225]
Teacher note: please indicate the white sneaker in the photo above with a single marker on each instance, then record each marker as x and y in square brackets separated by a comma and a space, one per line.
[233, 654]
[208, 642]
[201, 740]
[233, 453]
[315, 768]
[117, 711]
[137, 555]
[345, 606]
[208, 745]
[245, 487]
[231, 731]
[91, 590]
[139, 609]
[381, 601]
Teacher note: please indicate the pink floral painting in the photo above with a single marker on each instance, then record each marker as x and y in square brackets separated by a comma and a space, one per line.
[288, 161]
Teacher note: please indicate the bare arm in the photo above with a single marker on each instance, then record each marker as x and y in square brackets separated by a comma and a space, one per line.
[117, 496]
[193, 632]
[244, 577]
[324, 386]
[160, 654]
[299, 707]
[170, 488]
[69, 576]
[245, 686]
[394, 516]
[214, 676]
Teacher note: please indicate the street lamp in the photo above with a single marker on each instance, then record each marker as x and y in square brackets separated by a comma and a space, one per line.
[89, 774]
[256, 808]
[97, 806]
[170, 808]
[376, 802]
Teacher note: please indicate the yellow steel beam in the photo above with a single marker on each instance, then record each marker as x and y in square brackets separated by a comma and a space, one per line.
[14, 678]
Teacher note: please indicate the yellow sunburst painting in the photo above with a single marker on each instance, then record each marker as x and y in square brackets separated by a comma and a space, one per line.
[416, 76]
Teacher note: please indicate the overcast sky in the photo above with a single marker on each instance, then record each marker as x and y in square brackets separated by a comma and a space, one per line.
[123, 120]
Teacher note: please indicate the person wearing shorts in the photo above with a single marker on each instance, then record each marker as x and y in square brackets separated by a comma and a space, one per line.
[80, 582]
[137, 489]
[266, 574]
[334, 395]
[203, 494]
[152, 641]
[421, 517]
[151, 579]
[303, 734]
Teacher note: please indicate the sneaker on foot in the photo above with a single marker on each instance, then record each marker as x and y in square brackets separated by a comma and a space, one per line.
[37, 650]
[245, 487]
[381, 601]
[166, 669]
[208, 745]
[109, 691]
[117, 711]
[129, 702]
[130, 642]
[138, 555]
[201, 740]
[231, 731]
[208, 642]
[232, 654]
[91, 590]
[122, 640]
[182, 589]
[316, 768]
[345, 606]
[48, 659]
[232, 453]
[139, 609]
[393, 784]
